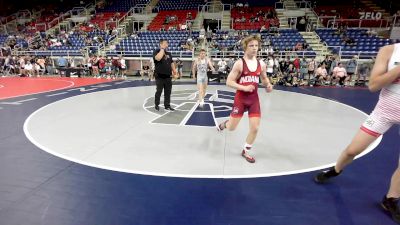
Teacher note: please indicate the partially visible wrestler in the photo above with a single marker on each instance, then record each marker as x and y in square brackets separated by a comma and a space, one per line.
[244, 77]
[385, 76]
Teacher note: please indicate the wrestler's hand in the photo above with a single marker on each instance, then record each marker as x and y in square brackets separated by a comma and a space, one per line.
[269, 88]
[248, 88]
[175, 74]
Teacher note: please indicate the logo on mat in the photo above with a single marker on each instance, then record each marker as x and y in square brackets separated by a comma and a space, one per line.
[188, 112]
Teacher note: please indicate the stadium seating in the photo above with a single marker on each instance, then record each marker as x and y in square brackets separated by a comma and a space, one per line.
[179, 5]
[249, 12]
[147, 42]
[270, 3]
[345, 10]
[101, 19]
[121, 5]
[20, 41]
[158, 21]
[368, 46]
[287, 39]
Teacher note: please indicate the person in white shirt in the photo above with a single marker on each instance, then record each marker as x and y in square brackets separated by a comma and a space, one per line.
[222, 66]
[321, 74]
[340, 75]
[21, 62]
[123, 66]
[28, 68]
[270, 66]
[270, 50]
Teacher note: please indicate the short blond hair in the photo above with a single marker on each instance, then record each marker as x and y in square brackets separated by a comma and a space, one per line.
[248, 39]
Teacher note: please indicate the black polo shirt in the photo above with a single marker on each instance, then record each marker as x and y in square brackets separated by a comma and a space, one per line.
[163, 67]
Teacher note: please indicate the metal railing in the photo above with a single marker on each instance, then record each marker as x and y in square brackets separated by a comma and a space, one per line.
[38, 26]
[139, 8]
[155, 9]
[382, 23]
[144, 54]
[237, 54]
[74, 12]
[304, 4]
[321, 19]
[52, 53]
[9, 18]
[37, 36]
[339, 53]
[59, 19]
[318, 23]
[111, 38]
[125, 16]
[77, 11]
[3, 29]
[279, 5]
[6, 49]
[213, 8]
[349, 54]
[24, 14]
[90, 8]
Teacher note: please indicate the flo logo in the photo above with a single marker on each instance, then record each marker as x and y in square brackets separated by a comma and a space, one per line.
[188, 112]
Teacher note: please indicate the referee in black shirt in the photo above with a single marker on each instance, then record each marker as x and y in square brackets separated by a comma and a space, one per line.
[164, 66]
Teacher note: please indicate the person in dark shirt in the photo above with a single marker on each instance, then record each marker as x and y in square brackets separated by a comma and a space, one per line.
[164, 68]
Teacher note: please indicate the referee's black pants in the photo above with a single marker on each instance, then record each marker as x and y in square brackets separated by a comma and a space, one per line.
[166, 84]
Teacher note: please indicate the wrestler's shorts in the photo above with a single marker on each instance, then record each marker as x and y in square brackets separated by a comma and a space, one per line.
[202, 80]
[242, 104]
[384, 116]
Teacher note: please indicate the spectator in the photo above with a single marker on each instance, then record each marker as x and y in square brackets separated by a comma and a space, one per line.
[270, 66]
[222, 66]
[49, 65]
[351, 66]
[311, 67]
[327, 61]
[230, 63]
[298, 47]
[346, 40]
[334, 63]
[296, 63]
[363, 71]
[179, 65]
[301, 26]
[371, 32]
[145, 71]
[270, 50]
[28, 68]
[321, 75]
[290, 76]
[293, 23]
[339, 75]
[303, 68]
[123, 67]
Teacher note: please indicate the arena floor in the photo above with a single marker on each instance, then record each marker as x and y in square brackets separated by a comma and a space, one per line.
[94, 151]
